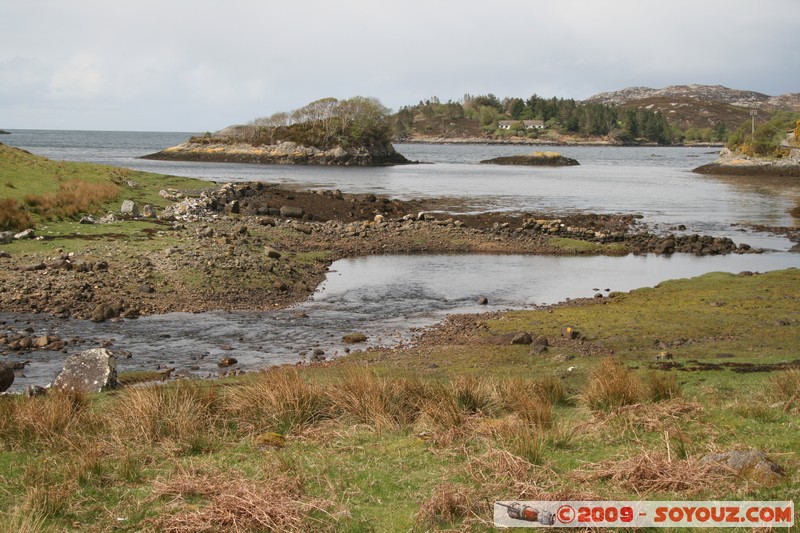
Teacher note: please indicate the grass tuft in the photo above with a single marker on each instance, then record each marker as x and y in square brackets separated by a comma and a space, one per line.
[13, 216]
[73, 197]
[611, 386]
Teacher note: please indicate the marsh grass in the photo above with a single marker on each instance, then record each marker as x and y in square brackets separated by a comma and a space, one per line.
[52, 421]
[278, 400]
[13, 216]
[784, 387]
[611, 386]
[184, 418]
[73, 197]
[662, 387]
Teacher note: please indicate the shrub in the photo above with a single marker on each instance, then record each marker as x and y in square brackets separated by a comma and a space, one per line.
[785, 387]
[14, 216]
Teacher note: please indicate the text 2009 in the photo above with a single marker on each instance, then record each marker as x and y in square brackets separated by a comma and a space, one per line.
[605, 514]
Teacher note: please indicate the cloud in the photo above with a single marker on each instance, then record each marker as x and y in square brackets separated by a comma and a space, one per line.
[81, 77]
[203, 64]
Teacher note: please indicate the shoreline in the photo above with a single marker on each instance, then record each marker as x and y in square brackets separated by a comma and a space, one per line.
[256, 246]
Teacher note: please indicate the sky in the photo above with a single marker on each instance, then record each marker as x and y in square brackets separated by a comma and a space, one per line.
[202, 65]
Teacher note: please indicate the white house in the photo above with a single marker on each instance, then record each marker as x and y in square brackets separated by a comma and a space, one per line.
[527, 124]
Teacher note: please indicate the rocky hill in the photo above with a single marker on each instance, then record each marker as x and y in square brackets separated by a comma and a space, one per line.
[700, 106]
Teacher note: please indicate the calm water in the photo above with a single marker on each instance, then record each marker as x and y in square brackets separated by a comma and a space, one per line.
[382, 296]
[655, 182]
[386, 297]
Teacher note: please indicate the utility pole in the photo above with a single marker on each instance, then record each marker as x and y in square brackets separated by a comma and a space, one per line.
[753, 113]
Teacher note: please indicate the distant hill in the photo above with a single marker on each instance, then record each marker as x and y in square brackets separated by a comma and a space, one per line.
[700, 106]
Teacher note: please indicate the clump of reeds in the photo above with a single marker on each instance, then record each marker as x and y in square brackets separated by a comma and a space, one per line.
[612, 386]
[662, 387]
[184, 416]
[50, 420]
[278, 400]
[73, 197]
[784, 387]
[13, 216]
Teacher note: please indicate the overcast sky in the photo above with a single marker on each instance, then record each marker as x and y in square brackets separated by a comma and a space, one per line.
[200, 65]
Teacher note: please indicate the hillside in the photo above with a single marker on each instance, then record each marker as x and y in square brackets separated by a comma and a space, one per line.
[700, 106]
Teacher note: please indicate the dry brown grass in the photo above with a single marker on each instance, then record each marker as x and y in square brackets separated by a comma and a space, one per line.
[13, 217]
[183, 418]
[278, 400]
[451, 503]
[611, 386]
[654, 473]
[662, 386]
[53, 421]
[784, 387]
[234, 503]
[73, 197]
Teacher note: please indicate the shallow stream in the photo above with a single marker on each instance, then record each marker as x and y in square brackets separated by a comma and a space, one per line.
[385, 297]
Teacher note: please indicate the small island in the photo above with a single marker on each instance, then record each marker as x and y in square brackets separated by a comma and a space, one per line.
[765, 151]
[350, 132]
[546, 159]
[4, 132]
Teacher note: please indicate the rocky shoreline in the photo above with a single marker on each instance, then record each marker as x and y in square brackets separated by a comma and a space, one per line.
[255, 246]
[734, 164]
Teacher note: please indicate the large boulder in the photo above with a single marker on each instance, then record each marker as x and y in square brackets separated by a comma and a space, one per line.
[130, 208]
[747, 463]
[93, 370]
[6, 377]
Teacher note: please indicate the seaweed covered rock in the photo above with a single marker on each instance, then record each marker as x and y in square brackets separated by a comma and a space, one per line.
[546, 159]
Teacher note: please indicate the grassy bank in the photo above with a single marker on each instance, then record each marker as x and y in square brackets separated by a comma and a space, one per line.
[35, 191]
[427, 437]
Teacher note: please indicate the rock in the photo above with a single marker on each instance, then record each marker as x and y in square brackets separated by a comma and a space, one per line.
[280, 285]
[233, 207]
[516, 337]
[87, 219]
[483, 300]
[553, 159]
[748, 463]
[269, 440]
[90, 371]
[41, 342]
[272, 253]
[539, 345]
[569, 332]
[6, 237]
[105, 311]
[148, 211]
[352, 338]
[288, 211]
[6, 377]
[129, 208]
[27, 234]
[227, 361]
[35, 390]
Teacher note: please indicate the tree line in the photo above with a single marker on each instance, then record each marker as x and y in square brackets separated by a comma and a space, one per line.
[560, 114]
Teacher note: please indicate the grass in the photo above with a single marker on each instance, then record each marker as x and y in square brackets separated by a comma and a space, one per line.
[55, 190]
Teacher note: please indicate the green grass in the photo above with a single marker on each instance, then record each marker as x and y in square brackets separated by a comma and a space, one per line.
[578, 247]
[25, 177]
